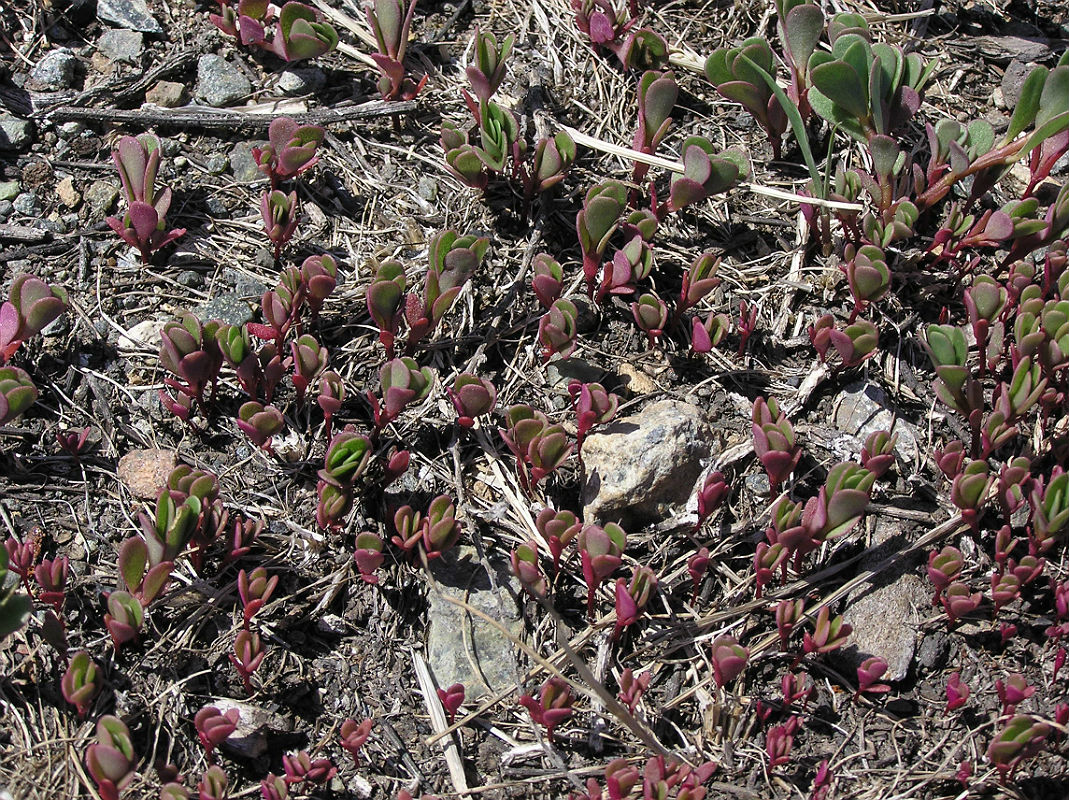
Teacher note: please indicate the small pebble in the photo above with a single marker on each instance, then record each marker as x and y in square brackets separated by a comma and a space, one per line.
[216, 164]
[26, 203]
[68, 130]
[6, 207]
[101, 197]
[220, 83]
[243, 165]
[53, 225]
[428, 188]
[166, 94]
[301, 80]
[217, 208]
[189, 278]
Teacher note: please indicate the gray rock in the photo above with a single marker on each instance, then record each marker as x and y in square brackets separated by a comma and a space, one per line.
[216, 164]
[886, 613]
[301, 80]
[9, 190]
[189, 278]
[121, 45]
[427, 188]
[101, 197]
[243, 165]
[245, 285]
[6, 207]
[56, 70]
[863, 408]
[166, 94]
[26, 203]
[15, 133]
[758, 485]
[220, 83]
[933, 651]
[217, 208]
[1012, 79]
[255, 725]
[461, 647]
[133, 15]
[644, 468]
[1002, 49]
[227, 308]
[70, 130]
[51, 225]
[170, 147]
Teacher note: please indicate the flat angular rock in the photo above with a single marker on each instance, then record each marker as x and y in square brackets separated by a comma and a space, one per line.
[1002, 49]
[121, 45]
[255, 724]
[864, 408]
[1012, 80]
[461, 647]
[243, 165]
[15, 133]
[166, 94]
[227, 308]
[220, 83]
[886, 614]
[133, 15]
[143, 335]
[55, 70]
[644, 468]
[144, 472]
[101, 197]
[301, 80]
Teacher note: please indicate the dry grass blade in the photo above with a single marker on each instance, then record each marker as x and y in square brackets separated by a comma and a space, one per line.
[440, 725]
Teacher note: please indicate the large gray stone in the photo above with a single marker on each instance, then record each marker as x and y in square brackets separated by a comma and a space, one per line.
[15, 133]
[220, 83]
[1012, 80]
[27, 204]
[462, 647]
[301, 80]
[133, 15]
[56, 70]
[243, 165]
[226, 308]
[121, 45]
[644, 468]
[862, 409]
[256, 725]
[887, 612]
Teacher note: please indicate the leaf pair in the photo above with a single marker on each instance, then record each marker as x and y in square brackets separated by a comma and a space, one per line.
[144, 225]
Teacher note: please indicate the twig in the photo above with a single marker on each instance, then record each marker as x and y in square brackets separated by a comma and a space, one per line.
[23, 233]
[207, 119]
